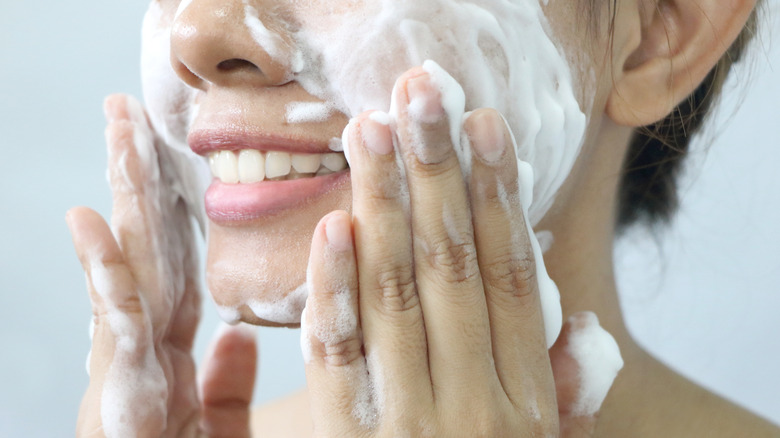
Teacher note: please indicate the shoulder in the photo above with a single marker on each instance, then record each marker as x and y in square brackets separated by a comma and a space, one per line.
[650, 400]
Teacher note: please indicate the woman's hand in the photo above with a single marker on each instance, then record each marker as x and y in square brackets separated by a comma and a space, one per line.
[142, 281]
[424, 314]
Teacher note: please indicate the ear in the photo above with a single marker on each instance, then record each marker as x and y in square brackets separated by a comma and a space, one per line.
[679, 42]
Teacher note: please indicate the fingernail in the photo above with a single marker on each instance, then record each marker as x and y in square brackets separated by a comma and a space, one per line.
[429, 132]
[424, 100]
[339, 232]
[486, 134]
[376, 133]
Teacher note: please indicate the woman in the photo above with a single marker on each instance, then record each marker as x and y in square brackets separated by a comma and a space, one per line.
[427, 310]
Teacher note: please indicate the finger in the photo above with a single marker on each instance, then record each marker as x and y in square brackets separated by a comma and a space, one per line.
[187, 313]
[122, 347]
[585, 361]
[227, 382]
[390, 314]
[506, 262]
[446, 269]
[136, 215]
[336, 372]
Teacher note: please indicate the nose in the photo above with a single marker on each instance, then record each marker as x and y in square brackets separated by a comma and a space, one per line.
[228, 43]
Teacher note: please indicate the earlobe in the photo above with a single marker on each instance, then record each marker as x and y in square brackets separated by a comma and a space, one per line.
[681, 41]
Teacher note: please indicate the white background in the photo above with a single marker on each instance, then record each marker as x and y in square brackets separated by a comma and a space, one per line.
[704, 298]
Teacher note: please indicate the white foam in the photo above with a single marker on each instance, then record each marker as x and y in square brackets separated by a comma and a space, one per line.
[546, 239]
[285, 309]
[365, 408]
[380, 117]
[134, 389]
[305, 339]
[335, 144]
[307, 112]
[599, 359]
[272, 43]
[171, 107]
[228, 314]
[498, 52]
[280, 307]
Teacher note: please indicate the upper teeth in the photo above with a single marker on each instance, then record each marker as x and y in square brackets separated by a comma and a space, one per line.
[250, 165]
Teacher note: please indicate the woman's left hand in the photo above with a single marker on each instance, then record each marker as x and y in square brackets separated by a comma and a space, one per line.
[446, 337]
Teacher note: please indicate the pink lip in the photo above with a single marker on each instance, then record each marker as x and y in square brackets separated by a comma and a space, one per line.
[204, 141]
[233, 203]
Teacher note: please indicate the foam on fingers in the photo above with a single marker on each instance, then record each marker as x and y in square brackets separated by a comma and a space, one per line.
[134, 394]
[330, 316]
[331, 341]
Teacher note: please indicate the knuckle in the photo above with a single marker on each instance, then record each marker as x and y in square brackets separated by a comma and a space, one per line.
[380, 193]
[455, 262]
[438, 170]
[513, 276]
[396, 290]
[343, 353]
[130, 305]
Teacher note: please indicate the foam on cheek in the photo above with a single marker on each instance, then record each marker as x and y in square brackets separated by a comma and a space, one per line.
[307, 112]
[277, 48]
[171, 107]
[499, 53]
[599, 359]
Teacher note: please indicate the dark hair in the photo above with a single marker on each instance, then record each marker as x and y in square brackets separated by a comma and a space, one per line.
[648, 190]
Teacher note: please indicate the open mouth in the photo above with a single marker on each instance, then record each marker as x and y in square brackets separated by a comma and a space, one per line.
[248, 166]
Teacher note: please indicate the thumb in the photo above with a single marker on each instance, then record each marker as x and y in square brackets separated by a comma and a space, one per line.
[227, 382]
[585, 361]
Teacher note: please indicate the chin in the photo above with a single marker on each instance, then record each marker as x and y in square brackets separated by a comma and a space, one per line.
[256, 271]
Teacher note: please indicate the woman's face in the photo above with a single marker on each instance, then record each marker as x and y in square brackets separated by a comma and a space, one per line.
[242, 82]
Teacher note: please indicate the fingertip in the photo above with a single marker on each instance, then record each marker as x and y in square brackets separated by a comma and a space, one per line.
[487, 133]
[80, 220]
[375, 134]
[338, 231]
[113, 106]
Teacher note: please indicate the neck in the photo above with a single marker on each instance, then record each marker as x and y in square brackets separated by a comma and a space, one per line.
[583, 221]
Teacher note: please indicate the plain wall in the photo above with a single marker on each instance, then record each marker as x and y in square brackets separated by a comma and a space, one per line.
[710, 311]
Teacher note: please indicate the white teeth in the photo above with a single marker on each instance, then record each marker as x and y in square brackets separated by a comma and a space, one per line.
[334, 162]
[213, 163]
[227, 167]
[277, 164]
[306, 163]
[251, 166]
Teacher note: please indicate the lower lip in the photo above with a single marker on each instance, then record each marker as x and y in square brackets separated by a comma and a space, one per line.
[233, 203]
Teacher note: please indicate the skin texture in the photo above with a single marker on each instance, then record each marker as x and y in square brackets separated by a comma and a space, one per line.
[454, 314]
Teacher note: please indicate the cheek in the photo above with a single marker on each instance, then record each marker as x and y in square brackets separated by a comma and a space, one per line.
[170, 103]
[171, 107]
[499, 52]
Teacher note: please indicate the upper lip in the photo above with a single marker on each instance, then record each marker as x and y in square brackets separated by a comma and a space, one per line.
[205, 141]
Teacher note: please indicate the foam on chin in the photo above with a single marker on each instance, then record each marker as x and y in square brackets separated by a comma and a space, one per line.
[498, 51]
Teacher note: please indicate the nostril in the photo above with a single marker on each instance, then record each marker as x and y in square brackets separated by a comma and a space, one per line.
[236, 64]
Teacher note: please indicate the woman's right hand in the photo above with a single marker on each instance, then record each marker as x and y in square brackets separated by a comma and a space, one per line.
[142, 281]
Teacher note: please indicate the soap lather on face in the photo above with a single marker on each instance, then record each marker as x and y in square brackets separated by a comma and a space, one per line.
[348, 55]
